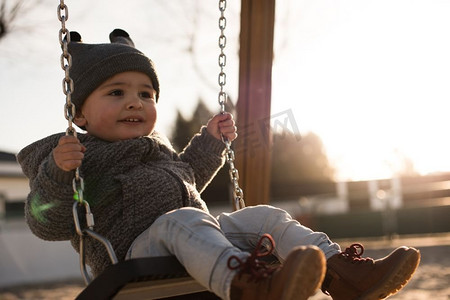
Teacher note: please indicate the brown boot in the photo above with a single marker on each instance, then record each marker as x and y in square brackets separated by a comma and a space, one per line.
[299, 277]
[350, 277]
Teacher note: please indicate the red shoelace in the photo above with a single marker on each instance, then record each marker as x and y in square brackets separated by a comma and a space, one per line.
[257, 269]
[351, 254]
[354, 253]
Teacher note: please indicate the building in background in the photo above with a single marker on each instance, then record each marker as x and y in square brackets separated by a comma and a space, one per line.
[13, 186]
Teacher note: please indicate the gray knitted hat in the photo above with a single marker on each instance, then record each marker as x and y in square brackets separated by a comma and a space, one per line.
[93, 64]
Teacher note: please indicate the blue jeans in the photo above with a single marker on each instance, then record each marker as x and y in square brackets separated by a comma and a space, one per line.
[203, 244]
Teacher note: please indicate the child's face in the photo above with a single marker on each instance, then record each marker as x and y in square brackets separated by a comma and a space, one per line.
[123, 107]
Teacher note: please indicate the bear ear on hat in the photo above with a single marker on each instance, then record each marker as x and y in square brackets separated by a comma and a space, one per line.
[75, 37]
[120, 36]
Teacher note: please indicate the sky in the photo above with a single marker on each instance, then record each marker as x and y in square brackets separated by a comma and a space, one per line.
[371, 78]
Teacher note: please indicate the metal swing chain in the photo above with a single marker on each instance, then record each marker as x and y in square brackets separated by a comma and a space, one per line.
[69, 107]
[223, 98]
[77, 183]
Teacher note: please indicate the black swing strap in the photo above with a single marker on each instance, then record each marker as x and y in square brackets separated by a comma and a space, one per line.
[154, 277]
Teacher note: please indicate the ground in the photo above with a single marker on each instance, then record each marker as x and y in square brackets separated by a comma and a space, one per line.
[431, 281]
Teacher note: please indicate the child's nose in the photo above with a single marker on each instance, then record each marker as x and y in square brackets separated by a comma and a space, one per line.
[134, 103]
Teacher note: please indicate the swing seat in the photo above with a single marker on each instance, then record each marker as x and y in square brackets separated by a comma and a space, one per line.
[145, 278]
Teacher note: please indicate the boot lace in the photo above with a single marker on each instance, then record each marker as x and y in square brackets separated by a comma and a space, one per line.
[351, 254]
[257, 269]
[354, 252]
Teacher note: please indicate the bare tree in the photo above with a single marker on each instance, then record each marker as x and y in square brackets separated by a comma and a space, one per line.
[8, 15]
[187, 21]
[10, 11]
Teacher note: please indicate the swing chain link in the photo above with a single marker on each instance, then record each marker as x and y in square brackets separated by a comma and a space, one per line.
[66, 64]
[68, 87]
[223, 98]
[69, 107]
[78, 182]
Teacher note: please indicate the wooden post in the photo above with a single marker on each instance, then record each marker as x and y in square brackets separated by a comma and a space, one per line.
[253, 106]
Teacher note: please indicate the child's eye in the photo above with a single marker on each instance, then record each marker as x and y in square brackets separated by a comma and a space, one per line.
[146, 95]
[116, 93]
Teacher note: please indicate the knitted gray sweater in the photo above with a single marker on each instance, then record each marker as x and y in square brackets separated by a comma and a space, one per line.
[128, 184]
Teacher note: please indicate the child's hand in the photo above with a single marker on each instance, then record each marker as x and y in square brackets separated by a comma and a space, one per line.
[222, 124]
[69, 153]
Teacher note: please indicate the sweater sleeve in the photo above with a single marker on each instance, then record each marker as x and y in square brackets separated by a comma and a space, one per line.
[205, 154]
[48, 208]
